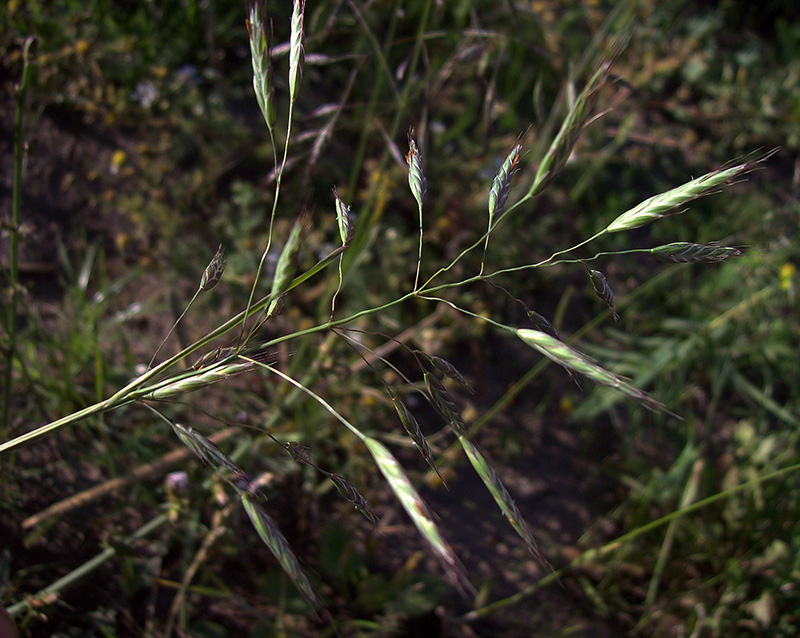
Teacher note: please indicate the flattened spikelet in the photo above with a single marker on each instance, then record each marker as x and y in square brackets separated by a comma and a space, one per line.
[444, 367]
[214, 270]
[416, 173]
[502, 497]
[577, 118]
[277, 544]
[299, 453]
[542, 323]
[190, 383]
[411, 426]
[445, 403]
[287, 261]
[603, 289]
[685, 252]
[296, 46]
[349, 491]
[421, 516]
[257, 29]
[498, 193]
[660, 205]
[213, 457]
[344, 220]
[563, 355]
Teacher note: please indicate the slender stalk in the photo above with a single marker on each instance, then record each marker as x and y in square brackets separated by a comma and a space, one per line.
[592, 554]
[16, 205]
[52, 591]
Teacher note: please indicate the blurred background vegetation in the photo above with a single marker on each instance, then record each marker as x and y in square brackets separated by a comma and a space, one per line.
[146, 150]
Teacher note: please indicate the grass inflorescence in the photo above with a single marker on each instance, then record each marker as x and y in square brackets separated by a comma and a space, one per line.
[287, 353]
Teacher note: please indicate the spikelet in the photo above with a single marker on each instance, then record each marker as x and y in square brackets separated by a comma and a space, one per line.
[445, 403]
[603, 289]
[660, 205]
[287, 262]
[563, 355]
[277, 544]
[213, 457]
[542, 323]
[344, 220]
[502, 497]
[445, 368]
[416, 174]
[296, 47]
[213, 272]
[212, 357]
[577, 119]
[686, 252]
[349, 491]
[300, 453]
[420, 514]
[193, 382]
[262, 64]
[498, 193]
[415, 432]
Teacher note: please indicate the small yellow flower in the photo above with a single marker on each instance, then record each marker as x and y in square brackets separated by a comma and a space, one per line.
[787, 274]
[117, 160]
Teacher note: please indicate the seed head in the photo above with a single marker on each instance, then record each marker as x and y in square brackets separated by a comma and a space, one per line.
[416, 174]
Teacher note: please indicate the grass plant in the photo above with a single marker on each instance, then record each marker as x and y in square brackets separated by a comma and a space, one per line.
[288, 352]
